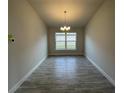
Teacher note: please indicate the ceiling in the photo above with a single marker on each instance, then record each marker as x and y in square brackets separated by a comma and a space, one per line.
[78, 11]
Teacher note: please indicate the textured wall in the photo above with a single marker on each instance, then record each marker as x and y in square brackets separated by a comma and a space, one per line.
[80, 42]
[30, 44]
[99, 38]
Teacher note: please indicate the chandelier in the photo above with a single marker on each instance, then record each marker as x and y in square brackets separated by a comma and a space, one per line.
[65, 27]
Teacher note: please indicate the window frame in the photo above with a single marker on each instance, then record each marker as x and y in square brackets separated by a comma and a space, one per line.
[66, 49]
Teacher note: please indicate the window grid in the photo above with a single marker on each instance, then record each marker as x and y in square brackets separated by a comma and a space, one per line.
[65, 41]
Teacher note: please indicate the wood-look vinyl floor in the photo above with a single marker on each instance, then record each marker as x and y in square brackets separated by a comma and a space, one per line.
[66, 74]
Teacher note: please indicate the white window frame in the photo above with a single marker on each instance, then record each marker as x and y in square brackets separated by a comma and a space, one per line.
[66, 41]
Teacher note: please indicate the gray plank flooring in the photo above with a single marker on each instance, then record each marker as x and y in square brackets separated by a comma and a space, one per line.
[66, 74]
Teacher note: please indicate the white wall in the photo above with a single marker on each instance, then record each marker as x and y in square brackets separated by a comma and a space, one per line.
[30, 44]
[80, 42]
[99, 39]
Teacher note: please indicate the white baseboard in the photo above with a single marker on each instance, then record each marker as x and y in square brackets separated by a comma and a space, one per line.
[102, 71]
[16, 86]
[65, 54]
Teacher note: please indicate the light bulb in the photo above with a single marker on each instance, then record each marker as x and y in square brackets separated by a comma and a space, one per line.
[65, 28]
[68, 28]
[61, 28]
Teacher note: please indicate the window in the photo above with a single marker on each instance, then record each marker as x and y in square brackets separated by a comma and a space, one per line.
[60, 41]
[65, 40]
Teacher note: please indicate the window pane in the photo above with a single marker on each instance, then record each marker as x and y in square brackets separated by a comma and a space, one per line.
[71, 38]
[71, 33]
[60, 45]
[62, 33]
[71, 45]
[60, 38]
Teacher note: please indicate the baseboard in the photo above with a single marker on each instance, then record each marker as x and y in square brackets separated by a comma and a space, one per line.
[65, 54]
[16, 86]
[102, 71]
